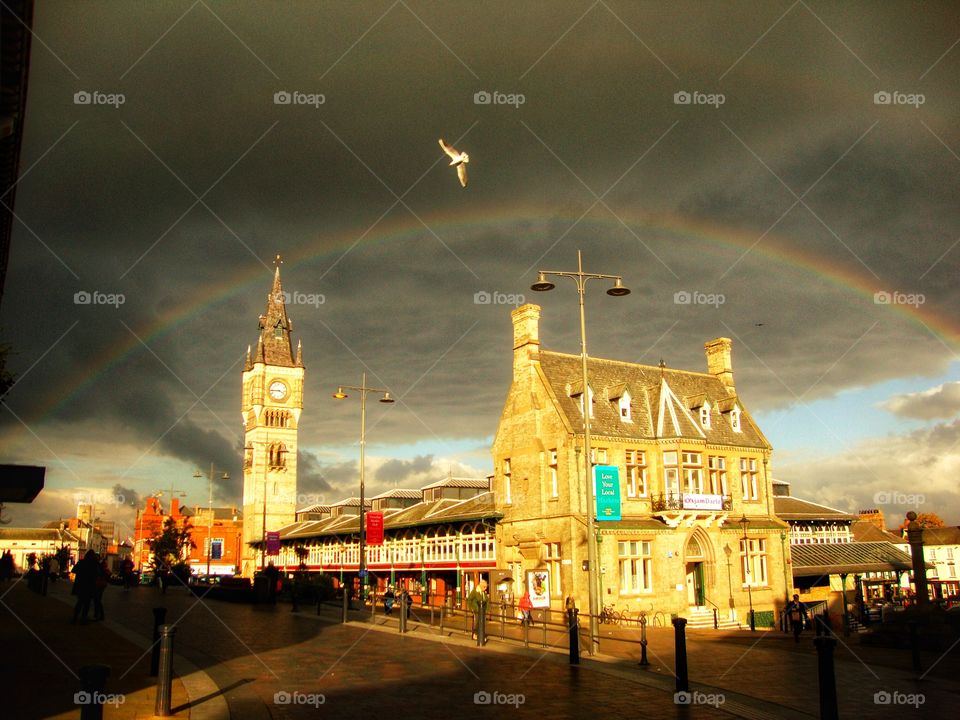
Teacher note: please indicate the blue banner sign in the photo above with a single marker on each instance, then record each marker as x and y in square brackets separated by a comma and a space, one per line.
[606, 485]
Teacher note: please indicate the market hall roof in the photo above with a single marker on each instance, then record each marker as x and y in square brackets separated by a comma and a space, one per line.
[850, 558]
[793, 508]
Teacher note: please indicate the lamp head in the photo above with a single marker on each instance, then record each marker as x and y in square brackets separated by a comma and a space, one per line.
[386, 397]
[197, 474]
[618, 290]
[340, 394]
[542, 284]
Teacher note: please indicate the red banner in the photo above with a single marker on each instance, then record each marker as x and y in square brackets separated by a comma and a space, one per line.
[374, 528]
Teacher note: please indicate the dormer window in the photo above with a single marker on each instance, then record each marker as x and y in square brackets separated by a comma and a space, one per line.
[590, 394]
[624, 405]
[735, 419]
[278, 330]
[705, 416]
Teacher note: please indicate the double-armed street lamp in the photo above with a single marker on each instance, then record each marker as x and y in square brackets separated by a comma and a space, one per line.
[593, 576]
[198, 475]
[341, 395]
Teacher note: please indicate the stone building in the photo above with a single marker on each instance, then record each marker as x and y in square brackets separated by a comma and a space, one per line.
[691, 463]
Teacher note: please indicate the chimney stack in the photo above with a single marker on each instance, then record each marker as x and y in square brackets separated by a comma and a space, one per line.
[718, 362]
[526, 335]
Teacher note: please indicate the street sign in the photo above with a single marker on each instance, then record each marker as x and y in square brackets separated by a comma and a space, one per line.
[363, 573]
[273, 543]
[606, 479]
[374, 528]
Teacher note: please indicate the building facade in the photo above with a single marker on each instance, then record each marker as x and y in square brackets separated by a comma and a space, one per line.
[697, 529]
[217, 535]
[272, 400]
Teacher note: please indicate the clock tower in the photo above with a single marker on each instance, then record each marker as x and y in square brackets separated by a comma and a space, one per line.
[271, 406]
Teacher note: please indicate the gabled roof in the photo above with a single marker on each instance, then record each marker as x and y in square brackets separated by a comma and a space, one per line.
[318, 508]
[865, 531]
[659, 406]
[792, 508]
[856, 557]
[459, 483]
[273, 350]
[398, 493]
[941, 536]
[350, 502]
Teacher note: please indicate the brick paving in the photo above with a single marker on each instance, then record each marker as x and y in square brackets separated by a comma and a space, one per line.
[271, 663]
[42, 654]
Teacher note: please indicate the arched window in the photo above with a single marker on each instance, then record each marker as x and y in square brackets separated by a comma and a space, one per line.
[277, 455]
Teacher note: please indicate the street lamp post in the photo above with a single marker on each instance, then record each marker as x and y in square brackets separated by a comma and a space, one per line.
[745, 523]
[197, 475]
[341, 395]
[728, 551]
[593, 576]
[783, 556]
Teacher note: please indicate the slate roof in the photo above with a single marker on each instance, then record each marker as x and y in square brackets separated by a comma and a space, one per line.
[660, 400]
[855, 557]
[459, 483]
[445, 511]
[792, 508]
[941, 536]
[38, 534]
[398, 493]
[319, 508]
[864, 531]
[273, 350]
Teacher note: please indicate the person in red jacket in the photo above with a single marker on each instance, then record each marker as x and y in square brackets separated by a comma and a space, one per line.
[525, 605]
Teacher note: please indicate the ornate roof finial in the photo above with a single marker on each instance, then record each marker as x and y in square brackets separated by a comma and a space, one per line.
[277, 261]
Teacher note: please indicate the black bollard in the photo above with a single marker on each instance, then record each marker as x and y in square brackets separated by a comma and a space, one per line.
[159, 617]
[643, 639]
[574, 630]
[165, 678]
[404, 603]
[680, 639]
[826, 677]
[914, 646]
[346, 605]
[93, 683]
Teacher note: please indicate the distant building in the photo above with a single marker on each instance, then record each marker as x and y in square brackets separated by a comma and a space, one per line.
[42, 541]
[149, 524]
[691, 462]
[217, 535]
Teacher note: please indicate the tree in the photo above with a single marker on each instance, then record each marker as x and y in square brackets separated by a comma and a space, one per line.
[925, 520]
[171, 546]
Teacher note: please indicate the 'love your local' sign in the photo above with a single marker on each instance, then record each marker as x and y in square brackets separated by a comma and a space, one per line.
[606, 486]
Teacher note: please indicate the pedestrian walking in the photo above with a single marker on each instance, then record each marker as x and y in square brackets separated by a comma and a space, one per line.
[388, 599]
[7, 566]
[797, 613]
[126, 572]
[102, 580]
[84, 586]
[54, 568]
[525, 605]
[477, 602]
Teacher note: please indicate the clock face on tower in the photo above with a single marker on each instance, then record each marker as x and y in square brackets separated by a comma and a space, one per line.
[278, 391]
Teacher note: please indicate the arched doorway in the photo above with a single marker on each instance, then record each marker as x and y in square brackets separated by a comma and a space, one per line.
[697, 555]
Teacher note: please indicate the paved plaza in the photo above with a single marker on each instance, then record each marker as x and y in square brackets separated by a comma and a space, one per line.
[243, 661]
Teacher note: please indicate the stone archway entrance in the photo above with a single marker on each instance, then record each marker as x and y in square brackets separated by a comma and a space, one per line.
[696, 590]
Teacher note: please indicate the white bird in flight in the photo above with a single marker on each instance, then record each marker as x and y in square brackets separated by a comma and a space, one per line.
[457, 159]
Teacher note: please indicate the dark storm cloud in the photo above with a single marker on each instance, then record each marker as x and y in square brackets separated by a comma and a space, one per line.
[292, 179]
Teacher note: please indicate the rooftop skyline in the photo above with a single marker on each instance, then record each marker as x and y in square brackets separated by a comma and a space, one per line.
[785, 176]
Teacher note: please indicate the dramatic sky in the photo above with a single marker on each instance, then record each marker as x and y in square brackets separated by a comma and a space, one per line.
[804, 201]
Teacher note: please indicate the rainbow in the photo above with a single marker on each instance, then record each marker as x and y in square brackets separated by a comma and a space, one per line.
[255, 279]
